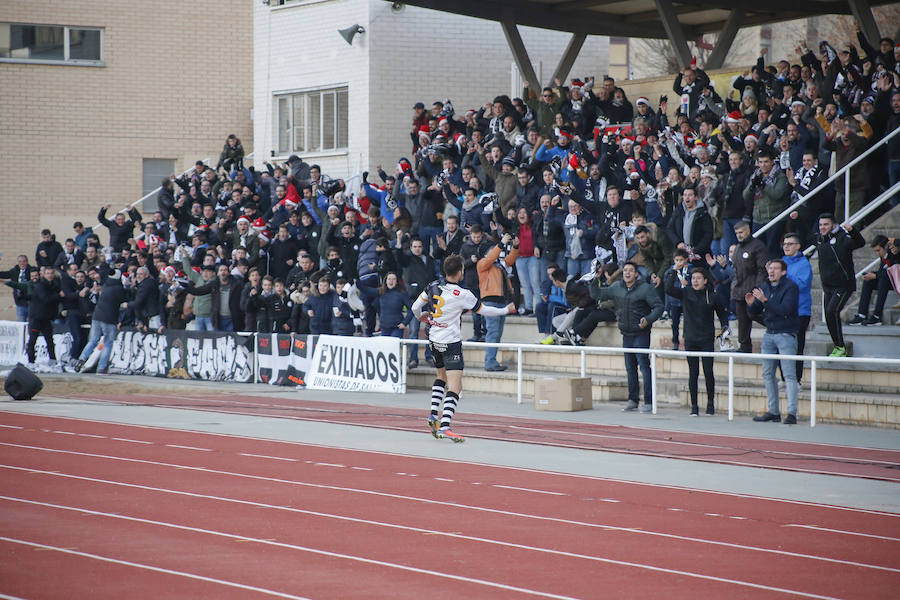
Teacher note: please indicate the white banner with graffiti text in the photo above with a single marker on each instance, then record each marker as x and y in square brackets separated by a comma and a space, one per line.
[353, 364]
[12, 342]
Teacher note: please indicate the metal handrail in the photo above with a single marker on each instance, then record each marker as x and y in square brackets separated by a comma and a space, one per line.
[864, 211]
[825, 183]
[867, 267]
[654, 352]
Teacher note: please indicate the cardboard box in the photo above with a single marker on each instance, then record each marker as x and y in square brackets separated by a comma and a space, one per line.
[563, 393]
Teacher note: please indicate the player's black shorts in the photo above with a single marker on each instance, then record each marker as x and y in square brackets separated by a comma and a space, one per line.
[447, 356]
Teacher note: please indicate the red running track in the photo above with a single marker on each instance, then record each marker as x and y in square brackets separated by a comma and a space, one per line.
[870, 463]
[117, 511]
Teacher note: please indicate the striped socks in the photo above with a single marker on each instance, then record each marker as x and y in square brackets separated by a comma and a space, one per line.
[437, 396]
[450, 402]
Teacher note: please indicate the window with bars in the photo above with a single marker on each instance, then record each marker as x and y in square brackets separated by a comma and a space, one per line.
[22, 42]
[312, 122]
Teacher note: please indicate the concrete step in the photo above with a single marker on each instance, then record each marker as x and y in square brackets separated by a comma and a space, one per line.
[876, 410]
[872, 341]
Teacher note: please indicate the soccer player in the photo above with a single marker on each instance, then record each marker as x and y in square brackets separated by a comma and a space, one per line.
[441, 307]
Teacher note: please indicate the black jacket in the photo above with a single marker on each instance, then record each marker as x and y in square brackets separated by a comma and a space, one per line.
[749, 270]
[698, 307]
[70, 288]
[112, 295]
[729, 193]
[44, 300]
[418, 272]
[52, 249]
[234, 298]
[836, 258]
[632, 304]
[146, 301]
[701, 232]
[118, 236]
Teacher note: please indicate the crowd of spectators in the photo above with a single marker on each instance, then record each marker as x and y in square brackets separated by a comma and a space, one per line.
[546, 197]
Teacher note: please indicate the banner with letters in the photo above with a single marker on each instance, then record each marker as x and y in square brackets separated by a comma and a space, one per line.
[179, 354]
[284, 358]
[12, 342]
[354, 364]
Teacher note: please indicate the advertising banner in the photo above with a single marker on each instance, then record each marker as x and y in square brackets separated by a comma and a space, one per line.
[12, 342]
[354, 364]
[284, 358]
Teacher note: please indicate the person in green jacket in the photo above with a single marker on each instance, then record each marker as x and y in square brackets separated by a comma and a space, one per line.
[638, 305]
[544, 108]
[768, 191]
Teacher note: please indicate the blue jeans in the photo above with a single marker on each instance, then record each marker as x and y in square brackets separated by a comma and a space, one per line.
[729, 238]
[226, 324]
[414, 327]
[494, 333]
[545, 311]
[392, 332]
[780, 343]
[633, 361]
[108, 332]
[529, 270]
[578, 265]
[73, 320]
[204, 324]
[21, 313]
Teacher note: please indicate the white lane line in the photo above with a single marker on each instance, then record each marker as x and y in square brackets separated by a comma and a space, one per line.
[65, 432]
[442, 479]
[335, 465]
[189, 448]
[7, 597]
[521, 489]
[443, 503]
[152, 568]
[544, 472]
[870, 535]
[243, 538]
[131, 441]
[415, 529]
[362, 469]
[269, 457]
[608, 500]
[91, 435]
[12, 427]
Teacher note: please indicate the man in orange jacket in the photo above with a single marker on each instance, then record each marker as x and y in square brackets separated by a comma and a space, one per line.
[493, 280]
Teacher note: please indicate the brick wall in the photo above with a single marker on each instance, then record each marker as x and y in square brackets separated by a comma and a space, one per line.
[75, 137]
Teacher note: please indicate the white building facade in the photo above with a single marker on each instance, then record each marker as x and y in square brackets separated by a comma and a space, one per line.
[348, 108]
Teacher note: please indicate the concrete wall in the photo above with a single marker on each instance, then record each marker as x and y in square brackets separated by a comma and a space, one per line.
[74, 137]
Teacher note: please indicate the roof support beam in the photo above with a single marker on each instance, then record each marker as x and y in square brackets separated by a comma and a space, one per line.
[569, 56]
[675, 32]
[725, 40]
[520, 54]
[862, 12]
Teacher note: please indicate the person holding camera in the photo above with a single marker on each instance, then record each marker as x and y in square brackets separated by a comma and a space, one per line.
[494, 270]
[769, 193]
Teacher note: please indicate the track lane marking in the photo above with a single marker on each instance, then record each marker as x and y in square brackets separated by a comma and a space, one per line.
[189, 448]
[267, 542]
[452, 504]
[130, 441]
[817, 528]
[544, 472]
[266, 456]
[151, 568]
[415, 529]
[11, 426]
[521, 489]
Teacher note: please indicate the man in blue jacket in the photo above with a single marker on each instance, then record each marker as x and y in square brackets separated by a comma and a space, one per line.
[777, 300]
[800, 272]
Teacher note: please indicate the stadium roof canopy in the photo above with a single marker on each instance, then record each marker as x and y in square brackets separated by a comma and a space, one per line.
[676, 20]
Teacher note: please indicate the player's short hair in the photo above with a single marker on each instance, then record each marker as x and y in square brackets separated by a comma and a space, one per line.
[453, 265]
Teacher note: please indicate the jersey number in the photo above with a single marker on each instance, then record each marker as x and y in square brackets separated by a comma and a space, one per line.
[436, 305]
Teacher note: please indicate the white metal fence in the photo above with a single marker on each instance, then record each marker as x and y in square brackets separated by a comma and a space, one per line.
[583, 351]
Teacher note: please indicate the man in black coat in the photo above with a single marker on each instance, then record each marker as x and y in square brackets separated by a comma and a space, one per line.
[105, 322]
[145, 305]
[749, 262]
[419, 270]
[691, 227]
[21, 273]
[835, 245]
[71, 304]
[47, 250]
[729, 195]
[282, 253]
[44, 308]
[120, 228]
